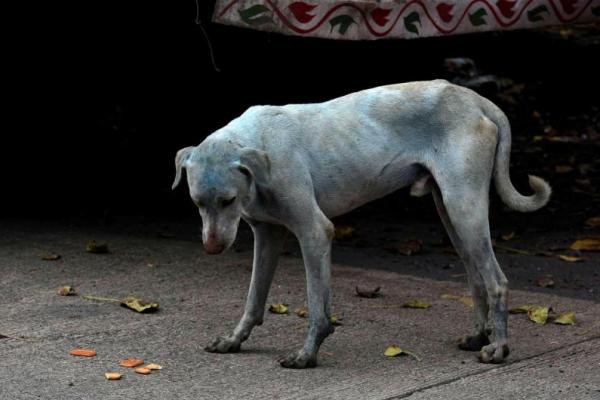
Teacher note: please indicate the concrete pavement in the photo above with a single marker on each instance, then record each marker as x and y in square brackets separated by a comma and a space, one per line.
[202, 296]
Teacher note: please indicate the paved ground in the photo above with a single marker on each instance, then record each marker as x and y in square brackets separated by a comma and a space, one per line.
[202, 297]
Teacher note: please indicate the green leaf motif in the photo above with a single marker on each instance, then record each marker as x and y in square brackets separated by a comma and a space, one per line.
[477, 17]
[596, 11]
[256, 15]
[410, 22]
[344, 21]
[534, 15]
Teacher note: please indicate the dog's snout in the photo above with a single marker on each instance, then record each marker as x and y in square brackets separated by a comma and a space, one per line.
[212, 245]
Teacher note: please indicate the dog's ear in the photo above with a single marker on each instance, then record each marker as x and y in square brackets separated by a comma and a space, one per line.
[255, 163]
[180, 159]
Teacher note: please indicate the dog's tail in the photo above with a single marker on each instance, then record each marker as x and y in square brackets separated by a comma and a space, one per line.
[509, 195]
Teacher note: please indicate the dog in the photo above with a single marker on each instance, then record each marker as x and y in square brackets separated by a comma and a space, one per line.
[294, 167]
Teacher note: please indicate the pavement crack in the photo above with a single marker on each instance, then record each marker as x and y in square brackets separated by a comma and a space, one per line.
[483, 371]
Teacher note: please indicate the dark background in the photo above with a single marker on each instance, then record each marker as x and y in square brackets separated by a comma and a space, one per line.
[103, 95]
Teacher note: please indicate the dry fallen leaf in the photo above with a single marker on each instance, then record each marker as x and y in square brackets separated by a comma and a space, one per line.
[563, 169]
[446, 296]
[508, 236]
[368, 294]
[131, 362]
[467, 300]
[51, 257]
[344, 231]
[139, 305]
[79, 352]
[97, 248]
[587, 244]
[278, 308]
[570, 258]
[521, 309]
[565, 319]
[143, 371]
[539, 315]
[546, 281]
[593, 221]
[113, 376]
[153, 366]
[416, 304]
[301, 312]
[393, 351]
[66, 291]
[410, 247]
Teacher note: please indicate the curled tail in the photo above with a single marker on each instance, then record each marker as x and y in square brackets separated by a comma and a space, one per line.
[509, 195]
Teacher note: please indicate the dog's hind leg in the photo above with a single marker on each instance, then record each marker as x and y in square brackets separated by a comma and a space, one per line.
[466, 207]
[480, 337]
[268, 241]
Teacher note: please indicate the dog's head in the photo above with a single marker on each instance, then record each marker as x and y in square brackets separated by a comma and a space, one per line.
[223, 178]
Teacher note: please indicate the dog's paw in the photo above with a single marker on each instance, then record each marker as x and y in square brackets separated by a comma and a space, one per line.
[494, 353]
[224, 345]
[473, 342]
[298, 360]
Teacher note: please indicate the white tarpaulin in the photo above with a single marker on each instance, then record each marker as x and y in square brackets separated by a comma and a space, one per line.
[403, 19]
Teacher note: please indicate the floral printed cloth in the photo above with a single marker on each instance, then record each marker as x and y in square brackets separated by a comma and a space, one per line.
[400, 19]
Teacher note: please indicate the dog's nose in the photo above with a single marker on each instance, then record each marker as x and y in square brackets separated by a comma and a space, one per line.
[212, 246]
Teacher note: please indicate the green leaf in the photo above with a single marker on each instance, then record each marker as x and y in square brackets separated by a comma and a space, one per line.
[410, 22]
[256, 15]
[344, 21]
[477, 17]
[534, 15]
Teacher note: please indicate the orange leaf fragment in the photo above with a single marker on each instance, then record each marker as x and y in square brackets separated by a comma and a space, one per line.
[143, 371]
[78, 352]
[131, 362]
[113, 376]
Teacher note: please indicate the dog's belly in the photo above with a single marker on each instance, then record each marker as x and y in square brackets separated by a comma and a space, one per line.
[347, 192]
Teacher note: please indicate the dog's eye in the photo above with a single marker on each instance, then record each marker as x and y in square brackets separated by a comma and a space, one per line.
[227, 202]
[199, 204]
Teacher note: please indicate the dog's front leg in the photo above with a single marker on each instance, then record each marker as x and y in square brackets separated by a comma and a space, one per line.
[268, 241]
[315, 242]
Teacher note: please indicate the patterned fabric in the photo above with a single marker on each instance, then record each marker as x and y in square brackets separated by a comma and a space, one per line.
[402, 19]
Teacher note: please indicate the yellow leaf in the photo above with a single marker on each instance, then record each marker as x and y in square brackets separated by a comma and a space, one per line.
[113, 376]
[508, 236]
[521, 309]
[416, 304]
[539, 315]
[393, 351]
[66, 291]
[153, 366]
[342, 232]
[301, 312]
[593, 221]
[51, 257]
[97, 248]
[589, 244]
[139, 305]
[467, 300]
[565, 319]
[335, 320]
[278, 308]
[570, 258]
[450, 297]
